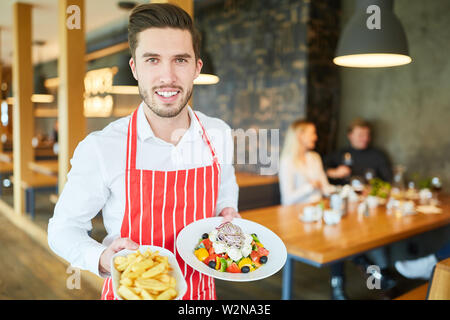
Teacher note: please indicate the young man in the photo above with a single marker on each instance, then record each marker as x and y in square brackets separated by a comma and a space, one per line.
[359, 158]
[140, 170]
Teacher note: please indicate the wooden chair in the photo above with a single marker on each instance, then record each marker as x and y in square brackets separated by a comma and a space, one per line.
[419, 293]
[437, 289]
[440, 281]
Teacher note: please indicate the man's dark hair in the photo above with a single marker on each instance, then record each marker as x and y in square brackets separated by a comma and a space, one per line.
[160, 15]
[358, 122]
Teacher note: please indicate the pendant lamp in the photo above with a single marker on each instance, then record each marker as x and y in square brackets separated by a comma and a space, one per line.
[373, 38]
[40, 92]
[124, 82]
[207, 75]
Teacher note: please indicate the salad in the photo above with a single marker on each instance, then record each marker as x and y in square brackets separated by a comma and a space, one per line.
[228, 249]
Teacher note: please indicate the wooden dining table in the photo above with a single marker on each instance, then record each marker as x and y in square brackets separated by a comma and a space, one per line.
[6, 156]
[47, 167]
[319, 244]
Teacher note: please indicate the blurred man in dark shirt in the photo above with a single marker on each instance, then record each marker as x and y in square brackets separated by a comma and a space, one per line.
[359, 159]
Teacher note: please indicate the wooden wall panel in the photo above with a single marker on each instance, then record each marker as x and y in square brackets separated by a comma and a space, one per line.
[71, 69]
[23, 120]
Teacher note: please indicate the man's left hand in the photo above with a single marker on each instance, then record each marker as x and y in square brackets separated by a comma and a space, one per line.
[229, 213]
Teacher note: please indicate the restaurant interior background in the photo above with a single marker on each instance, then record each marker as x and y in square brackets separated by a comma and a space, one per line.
[274, 59]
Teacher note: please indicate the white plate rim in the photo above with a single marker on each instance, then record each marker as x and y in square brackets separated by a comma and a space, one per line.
[277, 258]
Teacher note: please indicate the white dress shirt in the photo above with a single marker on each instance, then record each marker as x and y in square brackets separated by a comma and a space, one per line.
[96, 180]
[295, 185]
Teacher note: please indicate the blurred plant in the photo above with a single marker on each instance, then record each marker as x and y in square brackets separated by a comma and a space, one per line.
[420, 182]
[379, 188]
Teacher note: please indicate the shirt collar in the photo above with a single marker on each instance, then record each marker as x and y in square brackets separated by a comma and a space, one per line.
[145, 131]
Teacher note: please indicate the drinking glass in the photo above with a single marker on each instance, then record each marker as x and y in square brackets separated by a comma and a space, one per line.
[436, 186]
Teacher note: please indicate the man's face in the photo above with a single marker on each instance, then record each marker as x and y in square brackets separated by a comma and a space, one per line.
[165, 68]
[359, 138]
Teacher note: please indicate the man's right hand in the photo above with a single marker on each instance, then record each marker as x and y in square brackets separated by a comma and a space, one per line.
[116, 246]
[340, 172]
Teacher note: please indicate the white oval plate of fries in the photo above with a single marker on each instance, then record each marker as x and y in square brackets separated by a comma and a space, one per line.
[188, 239]
[149, 273]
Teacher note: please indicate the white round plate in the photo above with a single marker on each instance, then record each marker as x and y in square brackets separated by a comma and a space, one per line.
[188, 239]
[176, 271]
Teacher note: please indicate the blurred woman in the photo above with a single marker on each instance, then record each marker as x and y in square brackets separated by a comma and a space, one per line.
[301, 176]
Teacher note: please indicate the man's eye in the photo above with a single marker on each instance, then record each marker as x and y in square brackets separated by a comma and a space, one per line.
[151, 60]
[181, 60]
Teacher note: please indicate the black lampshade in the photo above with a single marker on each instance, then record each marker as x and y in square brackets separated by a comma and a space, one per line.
[361, 46]
[40, 92]
[124, 76]
[207, 75]
[38, 81]
[124, 81]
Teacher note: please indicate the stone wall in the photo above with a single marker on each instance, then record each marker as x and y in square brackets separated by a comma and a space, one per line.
[259, 51]
[274, 60]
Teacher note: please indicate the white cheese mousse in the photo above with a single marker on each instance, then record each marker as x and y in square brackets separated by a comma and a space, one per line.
[233, 252]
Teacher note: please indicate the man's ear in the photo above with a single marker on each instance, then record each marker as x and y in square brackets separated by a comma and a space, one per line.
[133, 68]
[198, 67]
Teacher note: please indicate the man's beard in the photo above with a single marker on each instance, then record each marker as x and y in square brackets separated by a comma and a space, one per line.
[163, 111]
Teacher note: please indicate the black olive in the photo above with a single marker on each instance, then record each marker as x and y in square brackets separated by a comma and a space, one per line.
[212, 264]
[263, 259]
[205, 236]
[245, 269]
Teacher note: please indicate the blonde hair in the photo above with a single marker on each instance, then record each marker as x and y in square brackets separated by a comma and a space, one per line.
[291, 143]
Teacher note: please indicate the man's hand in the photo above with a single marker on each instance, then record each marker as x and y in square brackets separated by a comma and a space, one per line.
[116, 246]
[228, 214]
[340, 172]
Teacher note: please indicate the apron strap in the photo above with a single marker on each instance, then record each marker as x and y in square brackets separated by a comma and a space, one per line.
[207, 140]
[132, 141]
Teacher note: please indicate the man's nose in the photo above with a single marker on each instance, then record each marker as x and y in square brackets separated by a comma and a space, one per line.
[167, 73]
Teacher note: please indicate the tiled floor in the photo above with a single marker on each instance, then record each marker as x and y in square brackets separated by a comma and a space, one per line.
[310, 282]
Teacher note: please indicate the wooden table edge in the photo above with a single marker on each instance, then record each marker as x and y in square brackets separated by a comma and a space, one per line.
[321, 261]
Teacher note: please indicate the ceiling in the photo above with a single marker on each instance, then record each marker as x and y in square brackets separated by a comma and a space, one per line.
[98, 14]
[100, 17]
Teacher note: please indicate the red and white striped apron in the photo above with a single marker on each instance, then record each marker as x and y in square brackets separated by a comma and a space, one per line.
[161, 203]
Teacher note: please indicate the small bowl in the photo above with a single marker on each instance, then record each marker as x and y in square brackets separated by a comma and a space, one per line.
[175, 272]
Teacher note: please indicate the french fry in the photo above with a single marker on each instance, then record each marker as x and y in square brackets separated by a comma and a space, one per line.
[146, 296]
[120, 260]
[145, 276]
[126, 282]
[142, 265]
[154, 271]
[127, 293]
[152, 284]
[167, 295]
[122, 267]
[163, 278]
[172, 283]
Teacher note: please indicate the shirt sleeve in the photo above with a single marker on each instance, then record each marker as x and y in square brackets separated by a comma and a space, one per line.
[290, 193]
[83, 196]
[228, 188]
